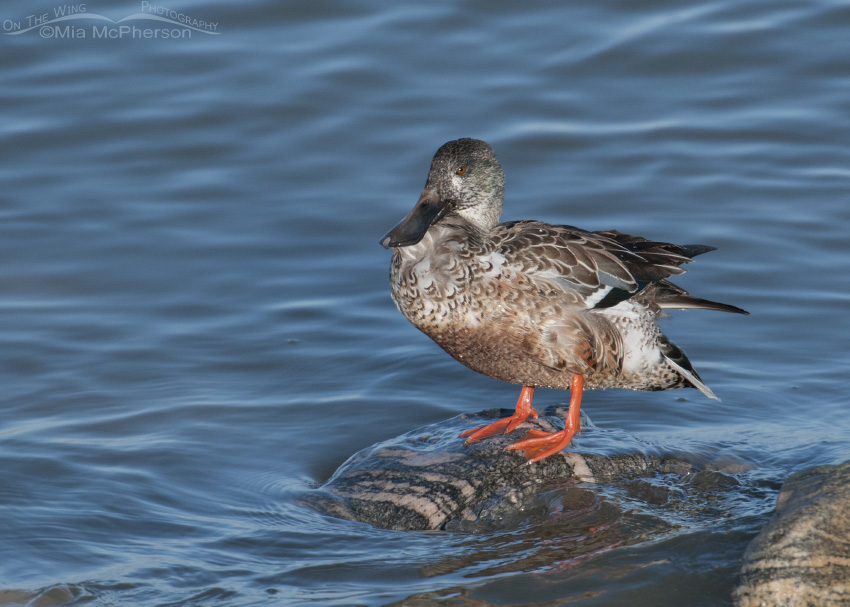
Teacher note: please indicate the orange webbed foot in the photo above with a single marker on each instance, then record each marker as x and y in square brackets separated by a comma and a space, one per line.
[503, 426]
[538, 445]
[508, 424]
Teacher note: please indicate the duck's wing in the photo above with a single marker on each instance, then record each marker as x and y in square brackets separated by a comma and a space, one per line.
[598, 269]
[650, 260]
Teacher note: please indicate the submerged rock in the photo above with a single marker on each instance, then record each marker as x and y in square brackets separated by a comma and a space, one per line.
[429, 480]
[802, 556]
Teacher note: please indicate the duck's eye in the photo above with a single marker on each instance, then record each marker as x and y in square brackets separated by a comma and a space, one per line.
[460, 170]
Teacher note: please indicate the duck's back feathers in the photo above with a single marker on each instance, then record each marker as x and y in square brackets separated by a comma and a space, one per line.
[650, 260]
[600, 269]
[570, 254]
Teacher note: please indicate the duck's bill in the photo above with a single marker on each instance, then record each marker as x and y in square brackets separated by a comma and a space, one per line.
[428, 210]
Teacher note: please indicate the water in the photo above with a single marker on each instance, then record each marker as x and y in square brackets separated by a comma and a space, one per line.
[196, 324]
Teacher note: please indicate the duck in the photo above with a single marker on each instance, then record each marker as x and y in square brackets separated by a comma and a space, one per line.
[536, 304]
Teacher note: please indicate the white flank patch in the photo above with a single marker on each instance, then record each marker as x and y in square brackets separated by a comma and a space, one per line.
[640, 350]
[597, 296]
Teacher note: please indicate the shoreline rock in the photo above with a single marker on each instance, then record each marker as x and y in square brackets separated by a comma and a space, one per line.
[801, 558]
[606, 490]
[429, 480]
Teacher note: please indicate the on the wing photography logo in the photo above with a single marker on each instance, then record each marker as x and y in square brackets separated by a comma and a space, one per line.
[74, 21]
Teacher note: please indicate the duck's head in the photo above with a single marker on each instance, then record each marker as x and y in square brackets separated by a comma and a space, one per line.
[465, 187]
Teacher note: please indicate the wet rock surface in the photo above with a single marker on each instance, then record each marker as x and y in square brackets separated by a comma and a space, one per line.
[429, 480]
[802, 556]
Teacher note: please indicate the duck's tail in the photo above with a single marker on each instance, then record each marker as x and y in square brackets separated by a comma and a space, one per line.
[668, 296]
[677, 359]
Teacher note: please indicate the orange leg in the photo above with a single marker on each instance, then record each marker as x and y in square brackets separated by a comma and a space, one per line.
[523, 411]
[538, 445]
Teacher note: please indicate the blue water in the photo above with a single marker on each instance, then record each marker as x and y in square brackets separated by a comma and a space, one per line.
[196, 323]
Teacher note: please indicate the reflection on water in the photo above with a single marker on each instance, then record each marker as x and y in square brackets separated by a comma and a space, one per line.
[196, 318]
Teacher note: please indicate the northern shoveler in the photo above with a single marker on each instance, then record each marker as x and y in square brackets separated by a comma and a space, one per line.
[532, 303]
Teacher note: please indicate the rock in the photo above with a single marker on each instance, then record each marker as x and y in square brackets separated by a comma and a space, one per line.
[428, 480]
[802, 556]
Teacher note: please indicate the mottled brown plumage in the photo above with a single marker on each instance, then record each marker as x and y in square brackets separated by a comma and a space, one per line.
[532, 303]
